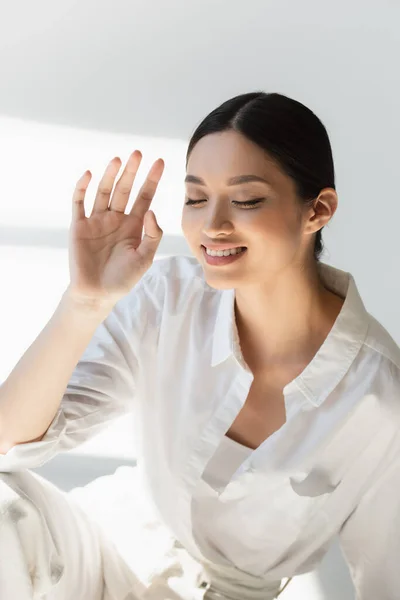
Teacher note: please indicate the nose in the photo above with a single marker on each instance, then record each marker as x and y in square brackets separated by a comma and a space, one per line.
[217, 222]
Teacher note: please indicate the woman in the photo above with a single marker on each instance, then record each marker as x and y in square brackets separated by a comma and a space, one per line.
[266, 397]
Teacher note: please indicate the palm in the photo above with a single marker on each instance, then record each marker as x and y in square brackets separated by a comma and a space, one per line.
[107, 254]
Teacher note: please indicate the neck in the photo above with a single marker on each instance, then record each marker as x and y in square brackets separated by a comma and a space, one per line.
[285, 320]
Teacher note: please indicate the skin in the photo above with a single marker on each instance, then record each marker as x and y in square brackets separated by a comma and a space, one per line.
[283, 311]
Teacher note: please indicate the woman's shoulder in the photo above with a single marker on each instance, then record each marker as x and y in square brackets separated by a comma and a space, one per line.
[380, 342]
[383, 371]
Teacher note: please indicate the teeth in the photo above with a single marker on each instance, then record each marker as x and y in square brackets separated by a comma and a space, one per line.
[224, 252]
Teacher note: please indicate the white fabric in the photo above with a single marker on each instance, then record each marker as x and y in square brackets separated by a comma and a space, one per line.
[229, 457]
[164, 568]
[57, 546]
[50, 549]
[169, 352]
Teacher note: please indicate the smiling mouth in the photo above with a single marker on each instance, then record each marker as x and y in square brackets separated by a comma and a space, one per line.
[224, 252]
[219, 260]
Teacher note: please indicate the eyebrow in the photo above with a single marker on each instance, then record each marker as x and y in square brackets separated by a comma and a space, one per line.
[232, 181]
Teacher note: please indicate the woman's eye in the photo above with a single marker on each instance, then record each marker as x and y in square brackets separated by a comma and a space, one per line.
[254, 202]
[190, 201]
[249, 202]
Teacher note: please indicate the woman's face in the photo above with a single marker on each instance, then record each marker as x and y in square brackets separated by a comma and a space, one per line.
[271, 228]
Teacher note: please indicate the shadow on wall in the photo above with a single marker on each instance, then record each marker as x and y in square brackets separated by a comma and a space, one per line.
[58, 238]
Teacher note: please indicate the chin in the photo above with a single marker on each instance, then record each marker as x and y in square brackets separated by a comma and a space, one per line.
[222, 282]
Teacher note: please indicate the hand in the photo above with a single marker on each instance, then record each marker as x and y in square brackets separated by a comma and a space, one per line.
[107, 255]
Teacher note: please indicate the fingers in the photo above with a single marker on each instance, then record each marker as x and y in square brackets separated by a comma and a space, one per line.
[123, 187]
[148, 189]
[106, 184]
[124, 184]
[78, 197]
[151, 239]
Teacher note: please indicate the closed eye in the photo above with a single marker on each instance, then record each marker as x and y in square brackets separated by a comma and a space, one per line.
[254, 202]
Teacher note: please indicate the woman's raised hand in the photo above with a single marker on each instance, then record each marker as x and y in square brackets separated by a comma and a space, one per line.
[107, 255]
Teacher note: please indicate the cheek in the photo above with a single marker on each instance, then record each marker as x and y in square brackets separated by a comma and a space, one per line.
[284, 223]
[274, 232]
[190, 226]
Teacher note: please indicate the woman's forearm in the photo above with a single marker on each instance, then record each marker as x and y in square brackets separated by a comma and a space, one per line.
[32, 393]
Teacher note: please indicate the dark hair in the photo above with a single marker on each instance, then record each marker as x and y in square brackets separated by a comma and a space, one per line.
[288, 131]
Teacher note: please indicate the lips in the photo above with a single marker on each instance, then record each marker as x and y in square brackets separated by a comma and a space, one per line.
[224, 259]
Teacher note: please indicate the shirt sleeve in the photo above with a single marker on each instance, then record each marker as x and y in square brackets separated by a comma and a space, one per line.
[370, 538]
[102, 386]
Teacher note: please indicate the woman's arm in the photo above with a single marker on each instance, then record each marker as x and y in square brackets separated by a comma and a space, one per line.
[31, 394]
[77, 406]
[107, 257]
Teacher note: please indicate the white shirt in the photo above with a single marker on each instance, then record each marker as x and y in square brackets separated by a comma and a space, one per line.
[167, 351]
[229, 457]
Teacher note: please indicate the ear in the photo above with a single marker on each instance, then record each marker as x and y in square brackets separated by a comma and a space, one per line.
[322, 210]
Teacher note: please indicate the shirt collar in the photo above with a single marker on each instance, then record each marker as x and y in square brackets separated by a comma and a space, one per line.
[336, 354]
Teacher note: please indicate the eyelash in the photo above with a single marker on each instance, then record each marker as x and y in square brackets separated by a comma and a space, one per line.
[246, 203]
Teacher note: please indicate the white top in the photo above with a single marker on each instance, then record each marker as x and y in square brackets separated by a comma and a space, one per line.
[168, 352]
[229, 457]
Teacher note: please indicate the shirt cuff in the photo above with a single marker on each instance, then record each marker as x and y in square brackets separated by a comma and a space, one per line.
[34, 454]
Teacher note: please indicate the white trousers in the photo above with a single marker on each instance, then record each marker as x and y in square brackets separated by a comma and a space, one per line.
[100, 542]
[51, 550]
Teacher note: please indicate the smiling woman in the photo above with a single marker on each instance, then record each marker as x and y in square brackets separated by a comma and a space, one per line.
[265, 395]
[245, 188]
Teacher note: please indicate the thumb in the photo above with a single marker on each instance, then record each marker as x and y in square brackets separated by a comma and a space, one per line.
[151, 239]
